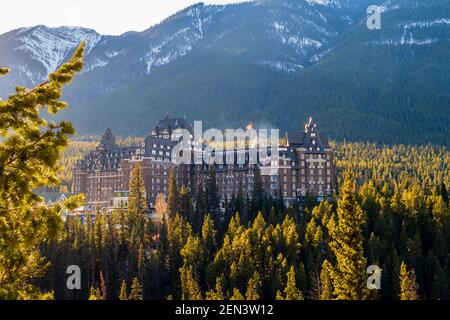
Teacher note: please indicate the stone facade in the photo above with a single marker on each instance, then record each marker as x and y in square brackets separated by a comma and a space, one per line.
[304, 166]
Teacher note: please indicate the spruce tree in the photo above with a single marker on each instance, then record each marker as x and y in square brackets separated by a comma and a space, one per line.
[137, 205]
[200, 208]
[95, 294]
[326, 282]
[136, 290]
[257, 200]
[444, 193]
[254, 287]
[349, 274]
[237, 295]
[178, 233]
[186, 207]
[30, 149]
[292, 292]
[173, 201]
[123, 291]
[408, 284]
[190, 290]
[217, 294]
[212, 195]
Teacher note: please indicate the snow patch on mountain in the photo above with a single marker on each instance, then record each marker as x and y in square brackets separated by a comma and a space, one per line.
[332, 3]
[171, 48]
[33, 77]
[407, 38]
[294, 40]
[181, 42]
[113, 54]
[319, 56]
[51, 46]
[98, 63]
[282, 66]
[425, 24]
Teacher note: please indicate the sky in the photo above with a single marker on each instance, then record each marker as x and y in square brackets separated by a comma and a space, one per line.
[111, 17]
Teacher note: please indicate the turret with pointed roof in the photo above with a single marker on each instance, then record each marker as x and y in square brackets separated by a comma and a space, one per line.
[108, 141]
[309, 139]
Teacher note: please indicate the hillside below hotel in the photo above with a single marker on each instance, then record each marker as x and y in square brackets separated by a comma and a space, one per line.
[304, 167]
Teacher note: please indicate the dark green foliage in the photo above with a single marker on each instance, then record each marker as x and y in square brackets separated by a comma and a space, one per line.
[293, 250]
[30, 148]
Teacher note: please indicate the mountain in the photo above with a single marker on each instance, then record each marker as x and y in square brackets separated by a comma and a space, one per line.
[272, 62]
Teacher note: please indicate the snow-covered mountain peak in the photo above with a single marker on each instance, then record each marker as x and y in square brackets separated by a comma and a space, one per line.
[50, 46]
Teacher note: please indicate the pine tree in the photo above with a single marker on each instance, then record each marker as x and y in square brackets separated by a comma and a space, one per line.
[326, 282]
[178, 233]
[292, 292]
[200, 208]
[349, 276]
[240, 201]
[237, 295]
[444, 193]
[190, 290]
[137, 205]
[95, 294]
[123, 291]
[408, 284]
[30, 149]
[254, 287]
[136, 290]
[173, 201]
[217, 294]
[257, 200]
[212, 195]
[186, 206]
